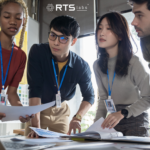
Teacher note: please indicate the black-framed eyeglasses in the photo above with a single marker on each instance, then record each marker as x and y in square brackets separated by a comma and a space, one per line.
[62, 39]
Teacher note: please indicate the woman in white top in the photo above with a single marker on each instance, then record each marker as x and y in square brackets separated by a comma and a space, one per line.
[123, 72]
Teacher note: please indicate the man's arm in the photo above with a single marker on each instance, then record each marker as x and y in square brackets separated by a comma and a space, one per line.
[35, 122]
[75, 123]
[35, 81]
[84, 107]
[88, 97]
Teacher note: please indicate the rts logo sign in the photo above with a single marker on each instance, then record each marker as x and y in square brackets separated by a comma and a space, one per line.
[50, 7]
[70, 7]
[65, 7]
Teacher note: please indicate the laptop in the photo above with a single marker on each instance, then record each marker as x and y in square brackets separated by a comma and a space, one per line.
[6, 144]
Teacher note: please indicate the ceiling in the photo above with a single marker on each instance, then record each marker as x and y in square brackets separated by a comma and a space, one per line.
[104, 6]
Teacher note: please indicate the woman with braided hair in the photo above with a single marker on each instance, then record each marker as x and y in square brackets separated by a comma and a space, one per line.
[12, 58]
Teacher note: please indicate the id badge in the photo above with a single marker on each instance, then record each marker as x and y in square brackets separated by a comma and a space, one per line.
[109, 103]
[3, 98]
[58, 100]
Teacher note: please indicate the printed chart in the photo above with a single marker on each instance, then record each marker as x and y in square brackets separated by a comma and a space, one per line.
[22, 92]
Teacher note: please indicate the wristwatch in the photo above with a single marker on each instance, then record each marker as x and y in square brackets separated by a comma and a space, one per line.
[124, 112]
[78, 117]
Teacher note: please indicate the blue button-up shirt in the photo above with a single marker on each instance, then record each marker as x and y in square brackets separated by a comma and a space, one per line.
[41, 78]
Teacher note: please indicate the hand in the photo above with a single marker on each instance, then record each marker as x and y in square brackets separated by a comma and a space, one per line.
[112, 120]
[2, 115]
[32, 134]
[23, 120]
[74, 124]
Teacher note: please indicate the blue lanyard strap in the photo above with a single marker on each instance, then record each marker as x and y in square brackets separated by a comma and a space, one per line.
[2, 71]
[109, 90]
[56, 75]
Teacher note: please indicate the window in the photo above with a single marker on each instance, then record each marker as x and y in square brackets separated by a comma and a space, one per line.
[89, 54]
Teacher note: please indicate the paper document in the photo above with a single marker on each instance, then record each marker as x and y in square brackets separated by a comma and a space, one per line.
[14, 112]
[46, 133]
[97, 127]
[96, 132]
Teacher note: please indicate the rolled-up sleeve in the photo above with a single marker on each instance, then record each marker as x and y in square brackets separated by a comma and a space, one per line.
[34, 73]
[86, 85]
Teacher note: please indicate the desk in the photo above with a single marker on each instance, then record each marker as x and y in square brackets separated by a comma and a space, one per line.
[96, 145]
[19, 131]
[84, 145]
[93, 145]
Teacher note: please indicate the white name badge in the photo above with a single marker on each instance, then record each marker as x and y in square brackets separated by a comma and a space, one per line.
[109, 103]
[3, 98]
[58, 100]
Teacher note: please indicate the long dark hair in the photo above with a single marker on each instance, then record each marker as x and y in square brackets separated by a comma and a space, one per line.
[120, 28]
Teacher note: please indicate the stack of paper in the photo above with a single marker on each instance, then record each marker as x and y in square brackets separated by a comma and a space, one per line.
[46, 133]
[40, 140]
[50, 137]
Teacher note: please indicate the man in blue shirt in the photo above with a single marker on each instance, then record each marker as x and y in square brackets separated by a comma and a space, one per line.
[53, 73]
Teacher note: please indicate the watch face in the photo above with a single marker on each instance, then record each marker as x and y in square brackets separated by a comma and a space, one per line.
[124, 112]
[78, 116]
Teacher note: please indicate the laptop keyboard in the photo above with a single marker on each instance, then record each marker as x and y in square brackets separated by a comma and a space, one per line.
[16, 145]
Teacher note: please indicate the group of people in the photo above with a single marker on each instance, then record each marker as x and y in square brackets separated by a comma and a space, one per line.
[53, 71]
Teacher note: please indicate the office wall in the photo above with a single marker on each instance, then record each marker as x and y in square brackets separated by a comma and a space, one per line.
[33, 33]
[84, 13]
[104, 6]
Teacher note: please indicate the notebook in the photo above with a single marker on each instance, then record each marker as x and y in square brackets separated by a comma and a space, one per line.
[96, 132]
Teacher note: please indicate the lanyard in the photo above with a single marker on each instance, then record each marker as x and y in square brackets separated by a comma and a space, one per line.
[109, 90]
[2, 71]
[56, 75]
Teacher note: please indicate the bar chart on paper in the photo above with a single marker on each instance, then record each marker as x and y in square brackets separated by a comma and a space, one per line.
[22, 92]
